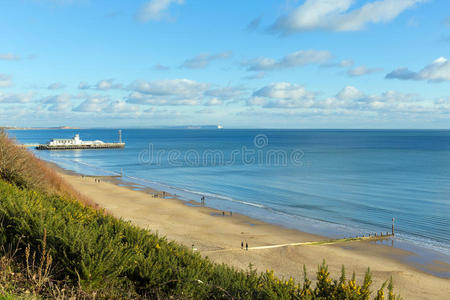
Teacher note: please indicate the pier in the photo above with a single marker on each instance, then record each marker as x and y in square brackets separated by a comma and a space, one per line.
[74, 147]
[77, 143]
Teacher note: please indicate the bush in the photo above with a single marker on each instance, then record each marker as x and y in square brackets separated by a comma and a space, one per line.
[21, 167]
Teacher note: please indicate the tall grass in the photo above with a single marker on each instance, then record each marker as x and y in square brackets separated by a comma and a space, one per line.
[89, 251]
[21, 167]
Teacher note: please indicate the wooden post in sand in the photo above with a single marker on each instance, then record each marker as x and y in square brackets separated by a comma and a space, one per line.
[393, 220]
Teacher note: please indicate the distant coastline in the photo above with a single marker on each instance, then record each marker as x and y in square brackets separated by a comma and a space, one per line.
[37, 128]
[192, 127]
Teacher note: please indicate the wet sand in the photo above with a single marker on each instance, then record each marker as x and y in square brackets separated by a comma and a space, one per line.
[219, 237]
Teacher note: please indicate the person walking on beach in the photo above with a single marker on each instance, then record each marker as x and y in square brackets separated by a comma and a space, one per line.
[242, 245]
[203, 201]
[246, 246]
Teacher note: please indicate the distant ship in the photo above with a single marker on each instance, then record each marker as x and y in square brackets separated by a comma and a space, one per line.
[219, 126]
[77, 143]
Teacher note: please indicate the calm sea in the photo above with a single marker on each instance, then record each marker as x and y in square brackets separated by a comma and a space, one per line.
[331, 182]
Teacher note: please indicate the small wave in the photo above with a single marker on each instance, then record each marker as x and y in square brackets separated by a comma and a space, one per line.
[199, 193]
[62, 160]
[425, 243]
[95, 167]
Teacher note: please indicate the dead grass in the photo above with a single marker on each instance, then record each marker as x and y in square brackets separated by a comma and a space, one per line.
[20, 166]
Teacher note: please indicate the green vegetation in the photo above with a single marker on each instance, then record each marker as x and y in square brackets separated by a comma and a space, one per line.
[55, 245]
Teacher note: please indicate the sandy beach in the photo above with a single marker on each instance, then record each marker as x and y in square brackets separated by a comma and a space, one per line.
[219, 237]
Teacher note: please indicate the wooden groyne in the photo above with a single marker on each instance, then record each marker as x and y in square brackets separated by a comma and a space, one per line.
[368, 237]
[315, 243]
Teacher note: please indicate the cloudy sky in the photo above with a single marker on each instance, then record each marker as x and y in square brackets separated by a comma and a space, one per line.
[241, 63]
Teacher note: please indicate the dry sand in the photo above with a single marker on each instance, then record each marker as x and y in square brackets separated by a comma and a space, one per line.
[219, 237]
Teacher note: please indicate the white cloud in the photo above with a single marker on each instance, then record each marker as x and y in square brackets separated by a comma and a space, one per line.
[213, 102]
[91, 103]
[84, 85]
[295, 59]
[175, 92]
[16, 98]
[203, 60]
[107, 84]
[291, 98]
[437, 71]
[362, 70]
[154, 10]
[58, 103]
[389, 101]
[146, 99]
[347, 63]
[121, 107]
[102, 85]
[301, 58]
[94, 104]
[256, 101]
[443, 104]
[225, 93]
[338, 15]
[56, 86]
[5, 81]
[402, 73]
[284, 94]
[349, 93]
[9, 56]
[261, 63]
[181, 88]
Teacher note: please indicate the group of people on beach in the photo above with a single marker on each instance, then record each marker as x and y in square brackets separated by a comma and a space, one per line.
[95, 179]
[246, 246]
[202, 203]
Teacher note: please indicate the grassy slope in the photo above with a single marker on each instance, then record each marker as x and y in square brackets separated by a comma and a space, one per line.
[77, 246]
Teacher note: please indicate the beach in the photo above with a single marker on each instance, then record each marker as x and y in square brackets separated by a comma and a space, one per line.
[218, 235]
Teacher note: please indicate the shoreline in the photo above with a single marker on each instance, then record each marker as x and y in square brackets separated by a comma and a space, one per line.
[422, 257]
[219, 238]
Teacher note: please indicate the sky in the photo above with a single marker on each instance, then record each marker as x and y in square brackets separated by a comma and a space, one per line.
[242, 64]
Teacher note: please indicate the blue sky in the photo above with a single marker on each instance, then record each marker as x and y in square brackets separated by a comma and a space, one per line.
[244, 64]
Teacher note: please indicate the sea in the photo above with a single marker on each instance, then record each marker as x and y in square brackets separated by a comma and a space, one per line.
[336, 183]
